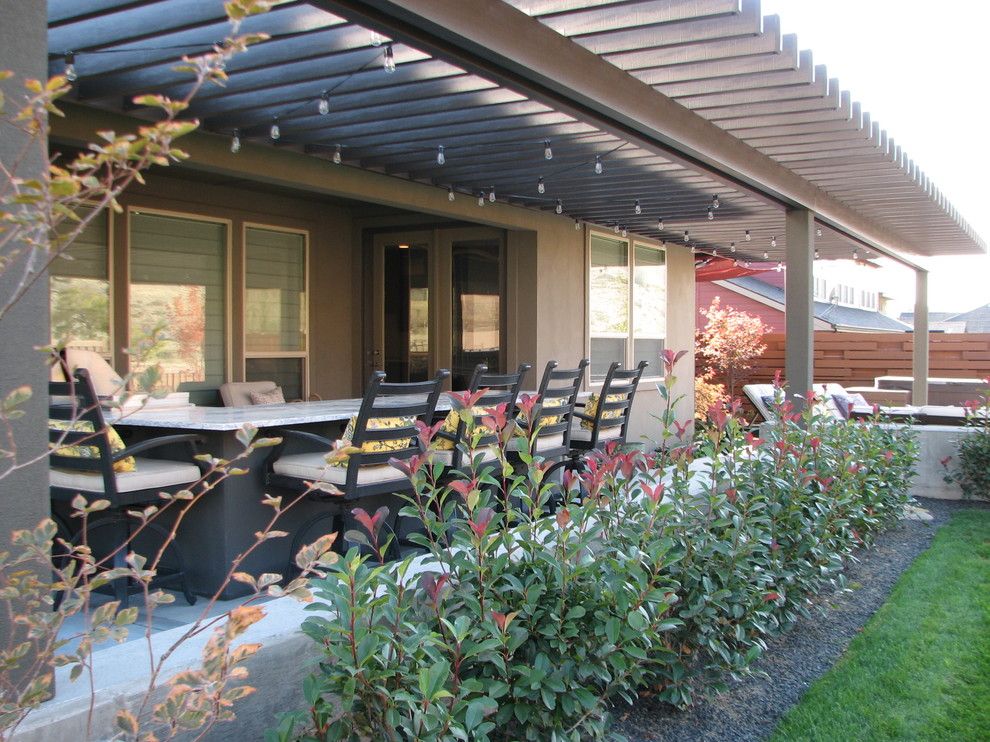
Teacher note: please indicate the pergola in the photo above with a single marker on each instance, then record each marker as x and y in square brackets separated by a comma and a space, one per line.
[693, 121]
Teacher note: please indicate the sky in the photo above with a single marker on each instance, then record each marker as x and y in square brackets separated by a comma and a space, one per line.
[917, 68]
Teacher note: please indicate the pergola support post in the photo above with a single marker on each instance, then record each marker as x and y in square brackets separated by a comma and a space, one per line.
[799, 304]
[919, 387]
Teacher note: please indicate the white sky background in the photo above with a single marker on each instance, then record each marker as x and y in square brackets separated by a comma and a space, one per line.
[918, 69]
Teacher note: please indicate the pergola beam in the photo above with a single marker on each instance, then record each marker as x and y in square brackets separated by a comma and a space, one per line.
[497, 41]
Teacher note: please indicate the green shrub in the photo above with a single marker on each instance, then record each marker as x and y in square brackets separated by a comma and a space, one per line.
[973, 470]
[532, 624]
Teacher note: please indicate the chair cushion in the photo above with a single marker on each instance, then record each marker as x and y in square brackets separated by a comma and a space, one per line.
[591, 409]
[313, 467]
[378, 423]
[446, 456]
[238, 393]
[275, 396]
[449, 427]
[148, 474]
[548, 404]
[581, 433]
[543, 443]
[126, 464]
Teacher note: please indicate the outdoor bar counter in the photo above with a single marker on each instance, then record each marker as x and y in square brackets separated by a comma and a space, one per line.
[222, 524]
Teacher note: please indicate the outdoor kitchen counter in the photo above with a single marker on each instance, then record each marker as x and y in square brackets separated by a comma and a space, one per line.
[222, 524]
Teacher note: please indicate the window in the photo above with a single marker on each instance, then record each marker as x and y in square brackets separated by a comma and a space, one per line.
[276, 322]
[619, 287]
[178, 285]
[80, 290]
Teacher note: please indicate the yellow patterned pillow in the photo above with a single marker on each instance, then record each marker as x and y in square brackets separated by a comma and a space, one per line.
[450, 424]
[591, 409]
[378, 423]
[93, 452]
[547, 405]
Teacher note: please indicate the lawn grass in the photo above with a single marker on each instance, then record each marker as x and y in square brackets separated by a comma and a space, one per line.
[920, 670]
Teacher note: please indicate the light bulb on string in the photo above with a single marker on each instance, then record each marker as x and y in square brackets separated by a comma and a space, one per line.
[625, 232]
[599, 166]
[577, 224]
[818, 232]
[70, 67]
[389, 62]
[766, 255]
[732, 247]
[714, 252]
[376, 38]
[615, 228]
[337, 158]
[450, 194]
[324, 105]
[748, 236]
[491, 195]
[541, 186]
[735, 263]
[780, 267]
[481, 199]
[686, 237]
[235, 142]
[637, 208]
[275, 132]
[660, 224]
[693, 249]
[559, 208]
[441, 157]
[817, 254]
[773, 241]
[711, 213]
[855, 254]
[547, 152]
[715, 202]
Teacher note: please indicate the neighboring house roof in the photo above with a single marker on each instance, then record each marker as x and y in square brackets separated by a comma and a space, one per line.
[834, 315]
[975, 320]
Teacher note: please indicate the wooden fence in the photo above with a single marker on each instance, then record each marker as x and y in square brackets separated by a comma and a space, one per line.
[855, 358]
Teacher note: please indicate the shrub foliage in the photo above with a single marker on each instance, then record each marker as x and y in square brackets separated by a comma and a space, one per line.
[535, 612]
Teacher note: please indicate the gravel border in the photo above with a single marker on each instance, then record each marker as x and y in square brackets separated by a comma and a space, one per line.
[750, 709]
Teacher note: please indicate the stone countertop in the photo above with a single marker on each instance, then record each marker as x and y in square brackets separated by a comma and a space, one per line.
[262, 416]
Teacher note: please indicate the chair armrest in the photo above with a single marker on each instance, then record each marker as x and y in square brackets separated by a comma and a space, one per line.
[303, 435]
[152, 443]
[583, 416]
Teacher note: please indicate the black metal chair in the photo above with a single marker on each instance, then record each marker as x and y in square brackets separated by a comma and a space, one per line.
[82, 462]
[612, 409]
[550, 420]
[383, 429]
[501, 389]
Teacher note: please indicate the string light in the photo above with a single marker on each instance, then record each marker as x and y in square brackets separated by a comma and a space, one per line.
[547, 152]
[481, 199]
[599, 166]
[693, 249]
[748, 236]
[376, 39]
[624, 232]
[780, 267]
[70, 67]
[818, 232]
[337, 158]
[714, 252]
[615, 228]
[389, 62]
[559, 208]
[541, 186]
[235, 142]
[441, 157]
[732, 247]
[660, 224]
[491, 195]
[715, 202]
[773, 241]
[711, 213]
[637, 208]
[686, 237]
[735, 262]
[817, 254]
[748, 264]
[766, 255]
[855, 254]
[275, 132]
[577, 224]
[324, 105]
[450, 194]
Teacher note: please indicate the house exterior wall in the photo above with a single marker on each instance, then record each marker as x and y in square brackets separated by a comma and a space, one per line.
[708, 290]
[546, 255]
